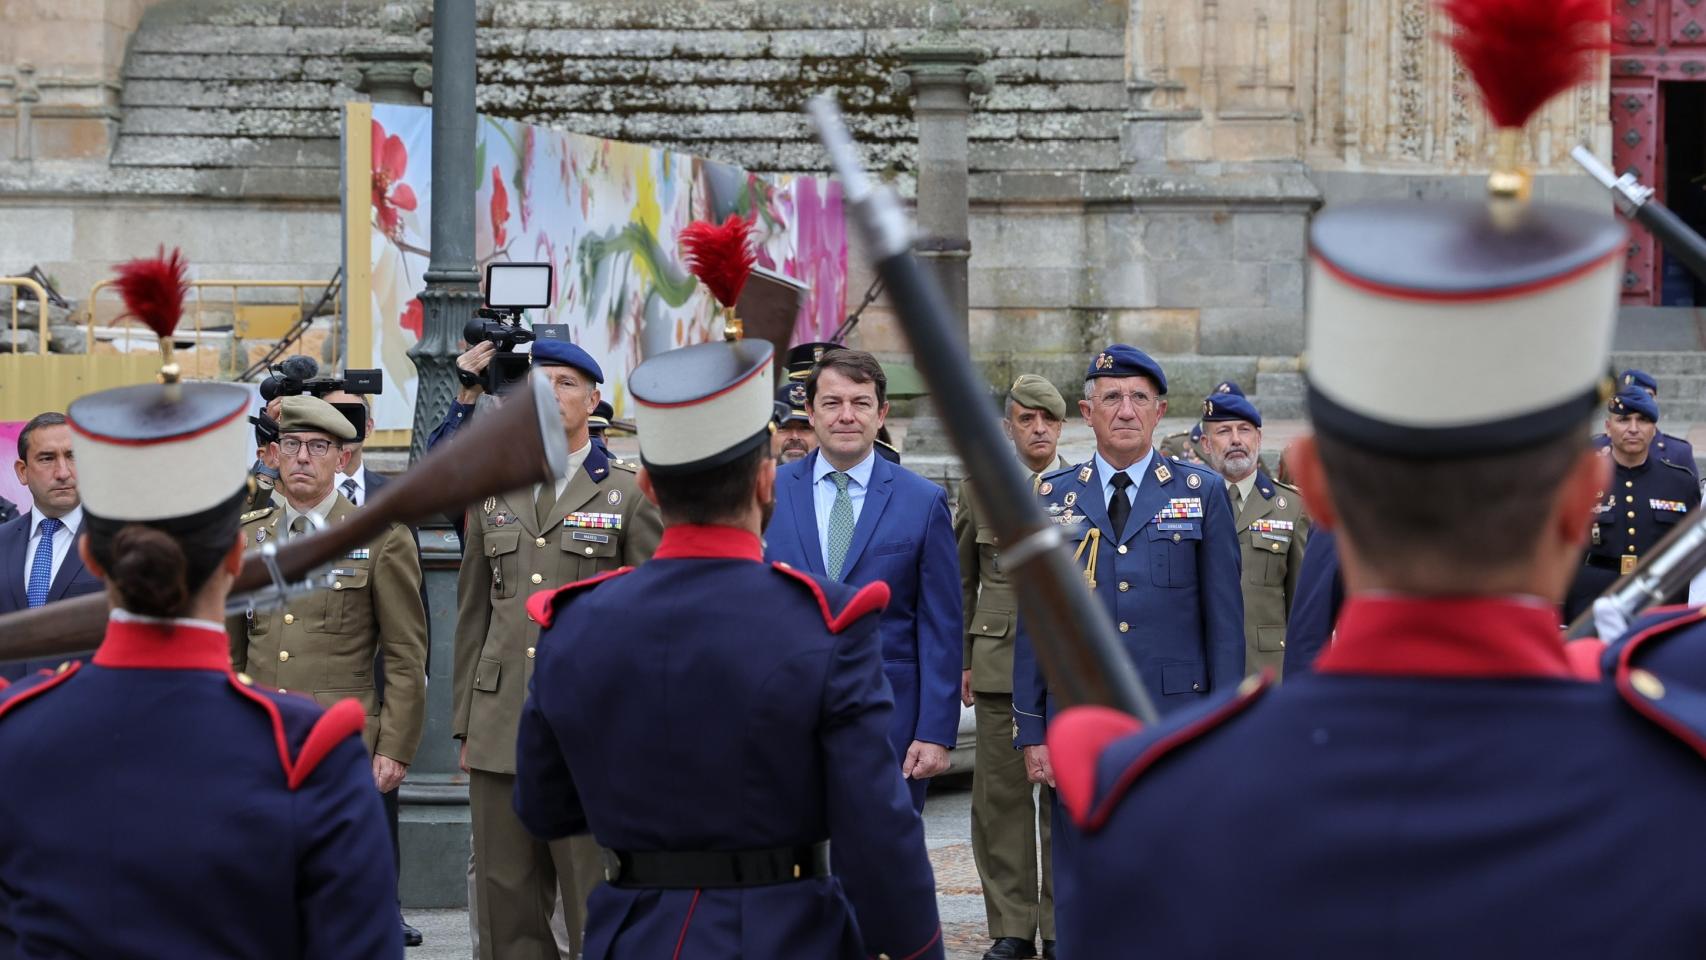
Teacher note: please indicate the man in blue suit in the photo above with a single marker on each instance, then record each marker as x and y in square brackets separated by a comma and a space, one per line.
[1320, 594]
[38, 556]
[1158, 545]
[846, 513]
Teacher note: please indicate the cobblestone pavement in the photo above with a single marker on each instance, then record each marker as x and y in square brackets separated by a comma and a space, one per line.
[947, 827]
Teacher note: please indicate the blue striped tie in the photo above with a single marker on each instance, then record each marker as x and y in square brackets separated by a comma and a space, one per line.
[41, 568]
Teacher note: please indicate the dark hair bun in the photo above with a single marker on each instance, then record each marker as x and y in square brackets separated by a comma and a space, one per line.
[148, 571]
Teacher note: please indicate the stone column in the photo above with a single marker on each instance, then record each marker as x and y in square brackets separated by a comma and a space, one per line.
[397, 68]
[940, 71]
[433, 822]
[453, 284]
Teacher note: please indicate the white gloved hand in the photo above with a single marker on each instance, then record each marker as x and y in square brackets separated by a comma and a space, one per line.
[1608, 620]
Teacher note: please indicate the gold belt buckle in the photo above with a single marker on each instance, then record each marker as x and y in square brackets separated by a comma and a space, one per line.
[1628, 563]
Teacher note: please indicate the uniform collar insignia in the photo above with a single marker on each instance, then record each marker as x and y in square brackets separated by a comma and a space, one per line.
[1162, 474]
[1085, 472]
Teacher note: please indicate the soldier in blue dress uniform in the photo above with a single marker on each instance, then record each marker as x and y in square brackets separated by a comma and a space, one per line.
[1450, 783]
[156, 804]
[731, 738]
[1666, 447]
[1643, 501]
[1158, 545]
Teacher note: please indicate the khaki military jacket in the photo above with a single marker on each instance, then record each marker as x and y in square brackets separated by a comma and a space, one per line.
[1272, 532]
[601, 522]
[991, 611]
[324, 643]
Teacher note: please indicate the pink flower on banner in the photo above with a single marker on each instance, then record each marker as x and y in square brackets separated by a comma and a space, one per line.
[390, 194]
[500, 210]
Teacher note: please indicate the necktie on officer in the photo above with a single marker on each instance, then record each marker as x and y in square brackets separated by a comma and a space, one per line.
[840, 526]
[299, 526]
[41, 566]
[350, 492]
[1237, 499]
[1119, 505]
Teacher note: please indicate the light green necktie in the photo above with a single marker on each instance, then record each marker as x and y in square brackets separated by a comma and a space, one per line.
[840, 526]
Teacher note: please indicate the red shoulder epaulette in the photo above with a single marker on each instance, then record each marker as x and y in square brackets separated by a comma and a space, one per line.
[542, 606]
[30, 693]
[1078, 737]
[1682, 713]
[873, 597]
[343, 719]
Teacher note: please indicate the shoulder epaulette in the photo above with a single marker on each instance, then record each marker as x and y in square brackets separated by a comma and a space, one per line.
[542, 606]
[1289, 486]
[1098, 753]
[1063, 471]
[1675, 466]
[622, 464]
[324, 730]
[28, 688]
[254, 515]
[1672, 696]
[873, 597]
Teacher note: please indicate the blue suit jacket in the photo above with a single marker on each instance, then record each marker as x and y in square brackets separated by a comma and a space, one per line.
[72, 580]
[905, 538]
[1320, 594]
[759, 692]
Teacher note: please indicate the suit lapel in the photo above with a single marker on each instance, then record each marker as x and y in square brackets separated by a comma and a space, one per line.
[68, 570]
[1152, 495]
[876, 499]
[805, 514]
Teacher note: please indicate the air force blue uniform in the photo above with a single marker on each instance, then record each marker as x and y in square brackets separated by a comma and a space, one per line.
[157, 805]
[740, 710]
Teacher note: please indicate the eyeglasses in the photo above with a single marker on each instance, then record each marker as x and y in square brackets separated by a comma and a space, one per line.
[1112, 401]
[316, 448]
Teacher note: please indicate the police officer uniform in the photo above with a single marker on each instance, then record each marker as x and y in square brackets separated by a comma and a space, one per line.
[599, 422]
[1424, 814]
[1272, 533]
[1643, 505]
[158, 804]
[324, 643]
[732, 739]
[1004, 819]
[596, 520]
[1169, 581]
[1666, 447]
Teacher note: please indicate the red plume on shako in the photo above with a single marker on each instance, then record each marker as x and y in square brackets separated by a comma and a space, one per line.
[153, 293]
[721, 256]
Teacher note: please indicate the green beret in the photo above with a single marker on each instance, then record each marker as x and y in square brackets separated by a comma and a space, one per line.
[305, 414]
[1036, 393]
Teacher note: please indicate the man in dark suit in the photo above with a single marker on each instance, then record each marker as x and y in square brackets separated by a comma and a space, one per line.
[38, 557]
[8, 509]
[846, 513]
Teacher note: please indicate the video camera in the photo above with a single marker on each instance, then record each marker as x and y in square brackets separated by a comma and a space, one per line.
[299, 375]
[510, 289]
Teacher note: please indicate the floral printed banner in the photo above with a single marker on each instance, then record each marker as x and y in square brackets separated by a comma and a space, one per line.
[604, 213]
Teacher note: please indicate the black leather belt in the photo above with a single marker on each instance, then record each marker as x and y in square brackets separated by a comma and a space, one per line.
[1621, 564]
[691, 869]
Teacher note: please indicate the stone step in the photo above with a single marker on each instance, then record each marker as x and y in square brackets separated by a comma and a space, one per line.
[1662, 363]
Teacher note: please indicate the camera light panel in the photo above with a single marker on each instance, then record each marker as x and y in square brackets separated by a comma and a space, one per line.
[518, 286]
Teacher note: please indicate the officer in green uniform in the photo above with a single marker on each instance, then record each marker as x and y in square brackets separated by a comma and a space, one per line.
[1004, 834]
[592, 521]
[1272, 529]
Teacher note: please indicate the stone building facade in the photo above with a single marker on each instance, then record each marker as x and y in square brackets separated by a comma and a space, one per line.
[1141, 170]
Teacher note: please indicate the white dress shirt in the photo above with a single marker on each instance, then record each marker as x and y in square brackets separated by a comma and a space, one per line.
[360, 478]
[823, 494]
[62, 540]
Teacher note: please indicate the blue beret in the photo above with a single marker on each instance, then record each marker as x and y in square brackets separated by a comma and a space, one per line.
[562, 353]
[1230, 406]
[1637, 378]
[1196, 432]
[1634, 400]
[1229, 386]
[1124, 360]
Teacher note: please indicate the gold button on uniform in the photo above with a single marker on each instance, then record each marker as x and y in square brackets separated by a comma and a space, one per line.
[1124, 586]
[539, 542]
[589, 551]
[289, 619]
[1125, 627]
[1631, 531]
[283, 655]
[1628, 499]
[1646, 685]
[337, 584]
[1631, 514]
[245, 680]
[1628, 483]
[1122, 548]
[536, 578]
[530, 653]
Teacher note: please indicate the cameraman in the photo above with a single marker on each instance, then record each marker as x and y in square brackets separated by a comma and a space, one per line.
[470, 370]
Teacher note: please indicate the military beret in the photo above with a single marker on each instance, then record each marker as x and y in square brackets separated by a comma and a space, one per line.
[1229, 386]
[1036, 393]
[305, 414]
[561, 353]
[1124, 360]
[1196, 432]
[791, 402]
[1638, 378]
[1230, 406]
[1634, 400]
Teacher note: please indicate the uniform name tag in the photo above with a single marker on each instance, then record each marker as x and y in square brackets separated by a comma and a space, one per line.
[594, 537]
[594, 521]
[1279, 537]
[1270, 526]
[1175, 526]
[358, 554]
[1669, 506]
[1181, 508]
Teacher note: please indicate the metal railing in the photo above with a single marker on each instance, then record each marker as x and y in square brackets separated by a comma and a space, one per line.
[197, 310]
[19, 284]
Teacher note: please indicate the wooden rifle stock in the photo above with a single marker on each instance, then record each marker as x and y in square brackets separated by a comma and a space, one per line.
[519, 443]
